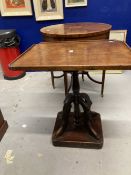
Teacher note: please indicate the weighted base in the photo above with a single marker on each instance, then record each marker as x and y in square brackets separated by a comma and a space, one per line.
[78, 136]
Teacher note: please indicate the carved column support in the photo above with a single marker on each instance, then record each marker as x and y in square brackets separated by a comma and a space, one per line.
[73, 127]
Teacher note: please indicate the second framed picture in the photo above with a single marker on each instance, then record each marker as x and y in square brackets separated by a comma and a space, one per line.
[48, 9]
[75, 3]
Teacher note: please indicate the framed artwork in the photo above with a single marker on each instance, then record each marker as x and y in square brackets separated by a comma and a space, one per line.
[118, 35]
[15, 7]
[75, 3]
[48, 9]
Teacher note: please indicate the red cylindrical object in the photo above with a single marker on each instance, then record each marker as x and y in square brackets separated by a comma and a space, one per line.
[7, 55]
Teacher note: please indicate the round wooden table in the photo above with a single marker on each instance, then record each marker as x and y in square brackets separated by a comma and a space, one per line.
[76, 31]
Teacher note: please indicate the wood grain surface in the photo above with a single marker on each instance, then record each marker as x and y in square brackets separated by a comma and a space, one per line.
[72, 56]
[76, 31]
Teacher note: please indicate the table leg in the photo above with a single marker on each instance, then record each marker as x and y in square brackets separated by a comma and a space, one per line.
[3, 126]
[81, 128]
[66, 82]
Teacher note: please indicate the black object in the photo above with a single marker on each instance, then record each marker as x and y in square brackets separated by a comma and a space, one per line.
[8, 38]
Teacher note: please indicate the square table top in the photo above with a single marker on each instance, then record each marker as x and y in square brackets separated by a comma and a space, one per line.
[75, 56]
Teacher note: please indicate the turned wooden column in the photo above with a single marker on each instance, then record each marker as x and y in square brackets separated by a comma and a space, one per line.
[3, 125]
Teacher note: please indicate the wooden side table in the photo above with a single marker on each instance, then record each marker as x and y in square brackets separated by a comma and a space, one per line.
[76, 31]
[3, 125]
[80, 128]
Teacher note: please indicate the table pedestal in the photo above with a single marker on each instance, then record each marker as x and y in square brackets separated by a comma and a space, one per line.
[3, 126]
[81, 128]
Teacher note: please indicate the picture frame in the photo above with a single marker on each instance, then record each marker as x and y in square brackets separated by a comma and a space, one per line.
[15, 7]
[75, 3]
[48, 10]
[119, 35]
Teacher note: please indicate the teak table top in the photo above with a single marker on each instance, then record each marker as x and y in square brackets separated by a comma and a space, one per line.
[73, 56]
[75, 30]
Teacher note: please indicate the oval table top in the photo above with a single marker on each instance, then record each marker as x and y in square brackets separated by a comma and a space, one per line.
[75, 30]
